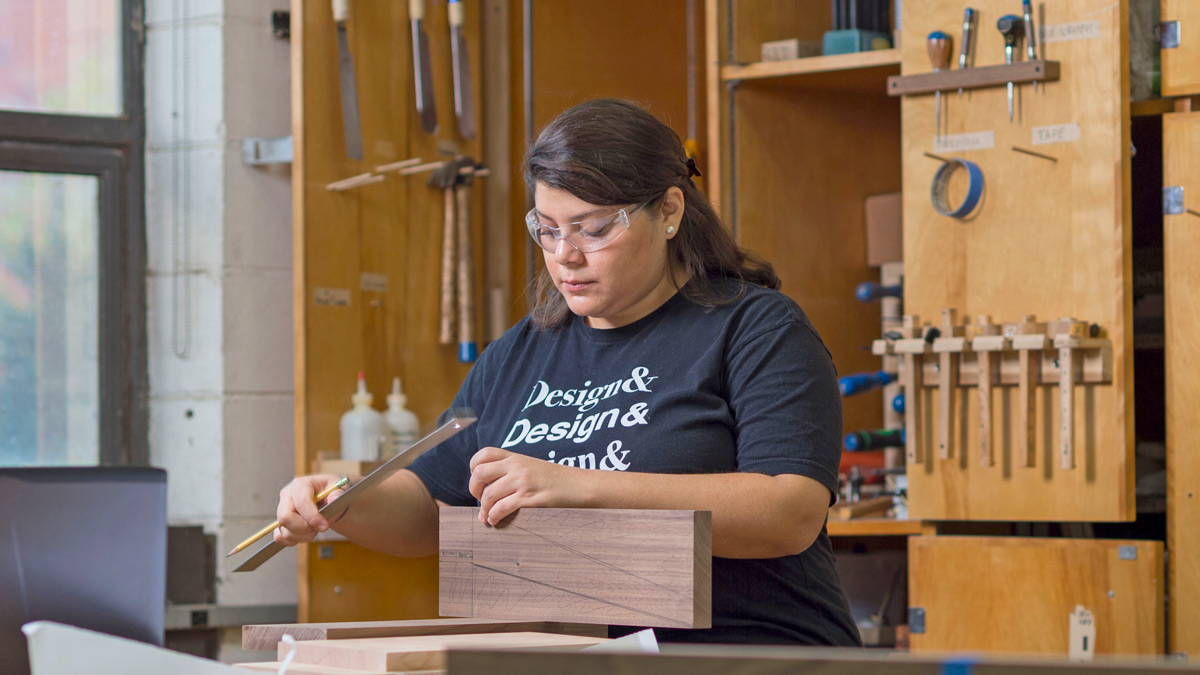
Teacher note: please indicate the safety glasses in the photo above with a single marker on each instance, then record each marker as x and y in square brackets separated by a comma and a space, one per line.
[585, 235]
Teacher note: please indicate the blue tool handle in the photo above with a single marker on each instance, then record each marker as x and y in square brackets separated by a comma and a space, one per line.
[468, 352]
[874, 439]
[868, 291]
[898, 403]
[864, 382]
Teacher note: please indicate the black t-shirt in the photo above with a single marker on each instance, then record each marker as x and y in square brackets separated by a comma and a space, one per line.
[746, 386]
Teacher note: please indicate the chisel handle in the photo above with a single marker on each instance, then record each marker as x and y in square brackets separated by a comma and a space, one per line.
[968, 34]
[416, 10]
[869, 290]
[1030, 33]
[864, 382]
[468, 348]
[455, 13]
[446, 318]
[341, 10]
[873, 439]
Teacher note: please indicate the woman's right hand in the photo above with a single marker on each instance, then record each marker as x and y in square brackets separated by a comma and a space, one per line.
[299, 519]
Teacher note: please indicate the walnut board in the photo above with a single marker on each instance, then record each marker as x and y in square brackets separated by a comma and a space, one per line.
[1181, 66]
[1015, 595]
[268, 636]
[1051, 239]
[610, 566]
[418, 652]
[1181, 250]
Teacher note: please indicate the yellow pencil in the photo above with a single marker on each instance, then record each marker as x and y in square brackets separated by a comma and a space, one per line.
[345, 480]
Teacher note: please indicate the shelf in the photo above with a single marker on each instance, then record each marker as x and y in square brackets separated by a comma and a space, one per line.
[861, 71]
[879, 527]
[973, 78]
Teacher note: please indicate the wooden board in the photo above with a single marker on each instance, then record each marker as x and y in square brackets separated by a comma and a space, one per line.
[613, 566]
[1181, 66]
[418, 652]
[1032, 586]
[268, 636]
[310, 669]
[1181, 250]
[1050, 239]
[346, 582]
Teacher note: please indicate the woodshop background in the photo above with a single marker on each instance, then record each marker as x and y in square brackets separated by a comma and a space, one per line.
[789, 151]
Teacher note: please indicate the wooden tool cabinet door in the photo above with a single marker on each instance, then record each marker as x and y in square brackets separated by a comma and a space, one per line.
[1181, 251]
[1181, 65]
[1051, 238]
[1016, 594]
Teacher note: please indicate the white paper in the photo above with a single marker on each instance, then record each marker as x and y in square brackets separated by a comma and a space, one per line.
[641, 642]
[57, 649]
[979, 140]
[1065, 32]
[1057, 133]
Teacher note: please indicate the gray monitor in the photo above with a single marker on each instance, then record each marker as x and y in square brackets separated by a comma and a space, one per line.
[84, 546]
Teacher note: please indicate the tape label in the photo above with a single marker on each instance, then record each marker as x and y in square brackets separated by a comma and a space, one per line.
[1065, 32]
[374, 282]
[332, 297]
[979, 140]
[1057, 133]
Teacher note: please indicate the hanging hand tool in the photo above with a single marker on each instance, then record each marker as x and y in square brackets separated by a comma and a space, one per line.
[1061, 332]
[422, 68]
[938, 46]
[464, 99]
[869, 290]
[1028, 337]
[873, 439]
[1010, 27]
[444, 178]
[861, 383]
[468, 348]
[985, 338]
[968, 41]
[349, 86]
[1030, 35]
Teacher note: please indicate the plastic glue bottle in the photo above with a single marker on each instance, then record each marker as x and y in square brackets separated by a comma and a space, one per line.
[402, 424]
[362, 427]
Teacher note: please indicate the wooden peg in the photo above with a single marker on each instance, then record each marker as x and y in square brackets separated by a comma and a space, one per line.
[984, 327]
[1029, 339]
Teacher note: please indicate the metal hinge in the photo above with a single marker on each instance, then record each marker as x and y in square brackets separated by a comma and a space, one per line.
[259, 151]
[1167, 33]
[1127, 552]
[1173, 200]
[916, 619]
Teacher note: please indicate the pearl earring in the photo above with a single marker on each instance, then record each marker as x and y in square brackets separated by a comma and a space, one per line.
[671, 230]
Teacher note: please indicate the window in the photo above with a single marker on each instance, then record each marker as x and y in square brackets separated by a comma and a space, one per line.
[72, 252]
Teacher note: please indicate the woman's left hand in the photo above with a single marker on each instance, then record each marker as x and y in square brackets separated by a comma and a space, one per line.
[503, 482]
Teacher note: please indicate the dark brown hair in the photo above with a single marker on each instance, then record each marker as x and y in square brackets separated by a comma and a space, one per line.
[612, 152]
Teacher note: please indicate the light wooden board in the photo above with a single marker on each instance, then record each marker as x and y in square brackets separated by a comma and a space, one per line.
[613, 566]
[268, 636]
[389, 228]
[1181, 66]
[418, 652]
[764, 660]
[310, 669]
[1010, 594]
[1051, 239]
[1181, 250]
[357, 584]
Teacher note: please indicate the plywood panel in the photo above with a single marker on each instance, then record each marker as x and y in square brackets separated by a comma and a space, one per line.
[389, 228]
[268, 636]
[1181, 66]
[1016, 594]
[805, 160]
[352, 583]
[1181, 250]
[611, 566]
[1050, 239]
[419, 653]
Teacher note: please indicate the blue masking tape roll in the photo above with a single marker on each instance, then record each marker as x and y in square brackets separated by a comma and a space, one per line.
[938, 192]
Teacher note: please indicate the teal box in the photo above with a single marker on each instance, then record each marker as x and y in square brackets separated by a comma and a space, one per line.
[853, 40]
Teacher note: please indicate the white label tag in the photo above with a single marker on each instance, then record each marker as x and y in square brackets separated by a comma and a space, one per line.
[979, 140]
[1082, 631]
[1064, 32]
[1058, 133]
[332, 297]
[374, 282]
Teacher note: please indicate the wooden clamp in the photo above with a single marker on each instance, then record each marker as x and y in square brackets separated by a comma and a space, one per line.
[1067, 329]
[1028, 337]
[985, 338]
[911, 348]
[950, 342]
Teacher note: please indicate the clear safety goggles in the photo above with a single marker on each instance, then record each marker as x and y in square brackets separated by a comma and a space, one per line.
[586, 236]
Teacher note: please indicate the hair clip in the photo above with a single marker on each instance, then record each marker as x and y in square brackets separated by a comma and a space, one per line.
[691, 167]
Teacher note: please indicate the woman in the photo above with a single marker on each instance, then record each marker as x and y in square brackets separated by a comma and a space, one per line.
[659, 369]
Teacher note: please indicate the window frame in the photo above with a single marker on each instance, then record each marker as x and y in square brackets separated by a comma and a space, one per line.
[113, 149]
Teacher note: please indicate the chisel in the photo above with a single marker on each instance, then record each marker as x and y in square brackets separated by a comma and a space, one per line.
[464, 102]
[1010, 27]
[938, 46]
[968, 40]
[1030, 36]
[422, 70]
[349, 86]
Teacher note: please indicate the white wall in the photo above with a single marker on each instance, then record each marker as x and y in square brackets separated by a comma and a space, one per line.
[221, 416]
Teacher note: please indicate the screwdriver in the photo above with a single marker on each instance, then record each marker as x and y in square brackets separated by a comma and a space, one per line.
[1030, 35]
[938, 46]
[968, 40]
[1010, 27]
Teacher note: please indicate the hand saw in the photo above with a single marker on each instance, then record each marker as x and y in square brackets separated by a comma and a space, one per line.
[349, 87]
